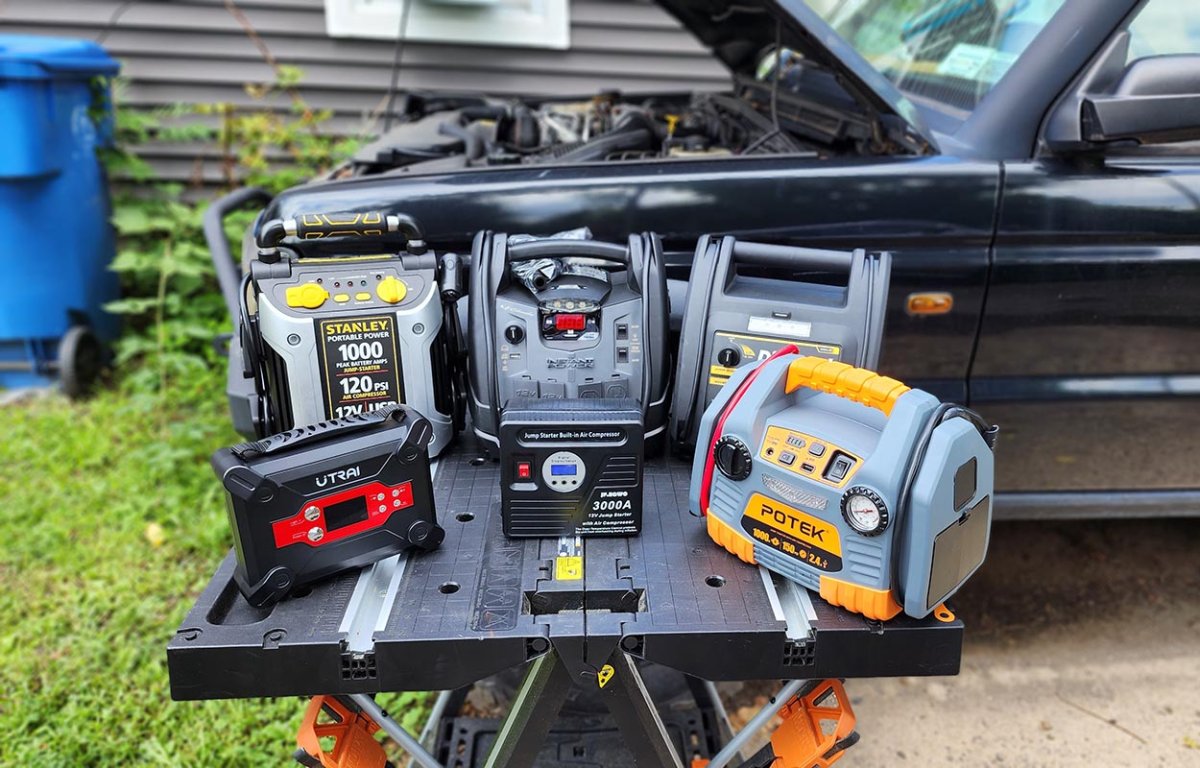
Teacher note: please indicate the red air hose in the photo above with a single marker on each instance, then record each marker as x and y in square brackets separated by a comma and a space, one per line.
[710, 461]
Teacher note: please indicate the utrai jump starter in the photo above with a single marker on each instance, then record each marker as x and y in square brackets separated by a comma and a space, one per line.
[313, 501]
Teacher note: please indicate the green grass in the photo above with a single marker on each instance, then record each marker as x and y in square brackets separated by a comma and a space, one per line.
[112, 523]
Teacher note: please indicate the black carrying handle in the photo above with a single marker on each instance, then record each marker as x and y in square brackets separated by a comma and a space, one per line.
[788, 257]
[388, 415]
[536, 249]
[229, 270]
[360, 225]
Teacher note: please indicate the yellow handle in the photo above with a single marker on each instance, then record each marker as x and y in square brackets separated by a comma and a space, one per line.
[314, 226]
[857, 384]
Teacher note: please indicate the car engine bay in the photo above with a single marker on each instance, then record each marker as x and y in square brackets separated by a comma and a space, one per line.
[442, 132]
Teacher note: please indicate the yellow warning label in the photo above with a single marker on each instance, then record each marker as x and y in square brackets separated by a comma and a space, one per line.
[797, 534]
[758, 348]
[568, 568]
[605, 674]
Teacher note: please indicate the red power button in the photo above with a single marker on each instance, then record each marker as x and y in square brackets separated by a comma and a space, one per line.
[524, 470]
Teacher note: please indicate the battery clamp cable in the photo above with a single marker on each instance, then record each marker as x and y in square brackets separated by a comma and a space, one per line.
[710, 461]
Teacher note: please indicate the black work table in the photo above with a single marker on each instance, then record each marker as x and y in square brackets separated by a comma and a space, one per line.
[483, 603]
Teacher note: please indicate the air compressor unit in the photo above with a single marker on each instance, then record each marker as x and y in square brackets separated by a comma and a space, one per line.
[571, 467]
[329, 336]
[875, 495]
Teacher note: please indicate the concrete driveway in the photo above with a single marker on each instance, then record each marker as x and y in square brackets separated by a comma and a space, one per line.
[1083, 649]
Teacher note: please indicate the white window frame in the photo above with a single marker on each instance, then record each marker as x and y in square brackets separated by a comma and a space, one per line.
[517, 23]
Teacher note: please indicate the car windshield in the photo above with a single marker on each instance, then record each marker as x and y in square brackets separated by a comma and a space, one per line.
[950, 51]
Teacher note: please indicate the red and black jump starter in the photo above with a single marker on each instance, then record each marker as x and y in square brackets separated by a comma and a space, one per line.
[312, 501]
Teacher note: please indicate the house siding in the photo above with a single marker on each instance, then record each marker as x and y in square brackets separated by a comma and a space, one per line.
[195, 52]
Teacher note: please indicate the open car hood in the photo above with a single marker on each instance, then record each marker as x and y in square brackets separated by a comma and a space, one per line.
[740, 33]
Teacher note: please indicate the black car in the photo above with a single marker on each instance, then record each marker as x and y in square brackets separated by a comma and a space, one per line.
[1033, 165]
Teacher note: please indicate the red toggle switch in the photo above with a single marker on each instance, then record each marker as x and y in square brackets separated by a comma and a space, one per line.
[524, 470]
[570, 322]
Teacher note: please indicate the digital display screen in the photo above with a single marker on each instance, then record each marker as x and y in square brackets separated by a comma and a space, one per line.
[345, 513]
[558, 470]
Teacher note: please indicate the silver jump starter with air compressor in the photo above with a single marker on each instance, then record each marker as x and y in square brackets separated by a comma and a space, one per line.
[569, 376]
[332, 332]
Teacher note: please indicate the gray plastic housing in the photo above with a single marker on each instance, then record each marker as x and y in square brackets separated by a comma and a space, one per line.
[244, 401]
[633, 317]
[290, 336]
[752, 298]
[929, 548]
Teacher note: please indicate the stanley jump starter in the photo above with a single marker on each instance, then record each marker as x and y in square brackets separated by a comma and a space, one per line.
[747, 300]
[875, 495]
[565, 319]
[317, 500]
[326, 337]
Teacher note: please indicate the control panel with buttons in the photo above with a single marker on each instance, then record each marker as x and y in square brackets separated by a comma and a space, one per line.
[530, 375]
[323, 521]
[808, 455]
[355, 284]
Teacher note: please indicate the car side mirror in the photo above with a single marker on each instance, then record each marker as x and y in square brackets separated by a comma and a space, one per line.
[1156, 101]
[1152, 100]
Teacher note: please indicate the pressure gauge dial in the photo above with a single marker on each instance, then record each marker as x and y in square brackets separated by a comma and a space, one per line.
[865, 511]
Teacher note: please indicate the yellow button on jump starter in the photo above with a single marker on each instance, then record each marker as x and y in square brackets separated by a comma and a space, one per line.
[362, 296]
[391, 290]
[309, 296]
[340, 297]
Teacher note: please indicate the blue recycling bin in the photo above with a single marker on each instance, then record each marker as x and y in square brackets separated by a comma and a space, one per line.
[56, 240]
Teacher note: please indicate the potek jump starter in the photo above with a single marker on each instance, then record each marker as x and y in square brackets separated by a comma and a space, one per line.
[328, 336]
[310, 502]
[571, 467]
[562, 319]
[747, 300]
[875, 495]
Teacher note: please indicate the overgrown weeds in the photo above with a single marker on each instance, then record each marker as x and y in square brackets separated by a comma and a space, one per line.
[171, 305]
[112, 519]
